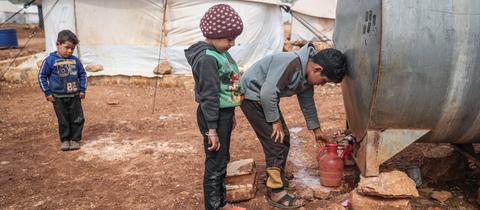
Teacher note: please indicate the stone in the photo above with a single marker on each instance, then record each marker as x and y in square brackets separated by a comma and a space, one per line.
[323, 193]
[394, 184]
[361, 202]
[113, 102]
[441, 196]
[241, 180]
[163, 67]
[307, 194]
[94, 67]
[341, 198]
[452, 167]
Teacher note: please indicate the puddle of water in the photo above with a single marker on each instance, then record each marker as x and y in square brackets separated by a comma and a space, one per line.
[302, 177]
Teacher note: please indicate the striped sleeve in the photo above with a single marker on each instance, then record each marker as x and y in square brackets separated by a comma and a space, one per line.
[82, 76]
[43, 75]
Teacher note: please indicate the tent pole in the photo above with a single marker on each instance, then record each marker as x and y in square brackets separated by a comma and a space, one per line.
[162, 35]
[307, 25]
[76, 27]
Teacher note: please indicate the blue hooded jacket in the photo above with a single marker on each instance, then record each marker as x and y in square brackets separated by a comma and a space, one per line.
[61, 75]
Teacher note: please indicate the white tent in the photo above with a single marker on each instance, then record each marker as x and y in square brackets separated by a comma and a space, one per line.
[319, 14]
[28, 15]
[124, 35]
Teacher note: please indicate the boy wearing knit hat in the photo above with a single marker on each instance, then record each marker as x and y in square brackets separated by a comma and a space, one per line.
[282, 75]
[217, 92]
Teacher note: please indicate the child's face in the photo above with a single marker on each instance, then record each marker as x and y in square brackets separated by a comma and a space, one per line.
[65, 49]
[314, 76]
[222, 45]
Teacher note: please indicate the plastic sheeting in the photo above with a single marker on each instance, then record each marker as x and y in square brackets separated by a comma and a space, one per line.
[7, 9]
[323, 25]
[124, 36]
[57, 16]
[316, 8]
[319, 14]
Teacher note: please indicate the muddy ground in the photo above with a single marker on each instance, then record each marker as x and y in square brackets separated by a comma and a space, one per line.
[139, 156]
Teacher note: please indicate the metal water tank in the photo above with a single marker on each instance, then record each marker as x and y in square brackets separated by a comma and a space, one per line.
[8, 38]
[413, 74]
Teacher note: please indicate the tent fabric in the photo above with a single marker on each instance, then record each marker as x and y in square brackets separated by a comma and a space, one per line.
[28, 15]
[321, 17]
[323, 25]
[57, 17]
[125, 36]
[316, 8]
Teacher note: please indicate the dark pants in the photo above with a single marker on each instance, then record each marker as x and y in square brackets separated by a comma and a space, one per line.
[70, 117]
[275, 153]
[214, 189]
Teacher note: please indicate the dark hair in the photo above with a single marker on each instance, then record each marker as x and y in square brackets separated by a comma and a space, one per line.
[333, 62]
[67, 35]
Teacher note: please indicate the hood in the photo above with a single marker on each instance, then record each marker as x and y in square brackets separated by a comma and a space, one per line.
[304, 54]
[55, 55]
[197, 49]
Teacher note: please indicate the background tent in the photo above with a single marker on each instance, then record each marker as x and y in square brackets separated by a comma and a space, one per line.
[7, 9]
[319, 14]
[125, 36]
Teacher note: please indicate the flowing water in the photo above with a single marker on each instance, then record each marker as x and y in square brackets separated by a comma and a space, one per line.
[303, 173]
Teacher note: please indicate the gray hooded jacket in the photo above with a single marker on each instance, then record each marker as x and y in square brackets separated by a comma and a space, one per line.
[282, 75]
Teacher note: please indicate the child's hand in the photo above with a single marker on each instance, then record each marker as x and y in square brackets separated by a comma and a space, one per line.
[320, 137]
[82, 95]
[213, 141]
[277, 131]
[50, 98]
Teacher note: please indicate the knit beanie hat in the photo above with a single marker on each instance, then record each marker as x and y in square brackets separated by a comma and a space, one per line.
[221, 21]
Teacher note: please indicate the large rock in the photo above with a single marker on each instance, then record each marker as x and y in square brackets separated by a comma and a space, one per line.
[394, 184]
[361, 202]
[26, 75]
[93, 67]
[441, 196]
[163, 67]
[241, 180]
[452, 167]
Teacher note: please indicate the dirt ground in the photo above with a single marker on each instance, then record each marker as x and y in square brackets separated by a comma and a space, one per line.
[139, 156]
[130, 157]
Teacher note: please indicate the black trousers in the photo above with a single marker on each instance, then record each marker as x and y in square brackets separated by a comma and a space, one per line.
[275, 153]
[70, 117]
[214, 190]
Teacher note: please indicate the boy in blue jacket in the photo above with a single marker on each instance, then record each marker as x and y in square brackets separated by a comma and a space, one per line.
[63, 80]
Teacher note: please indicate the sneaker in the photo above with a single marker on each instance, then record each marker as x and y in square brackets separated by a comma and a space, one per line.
[74, 145]
[65, 145]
